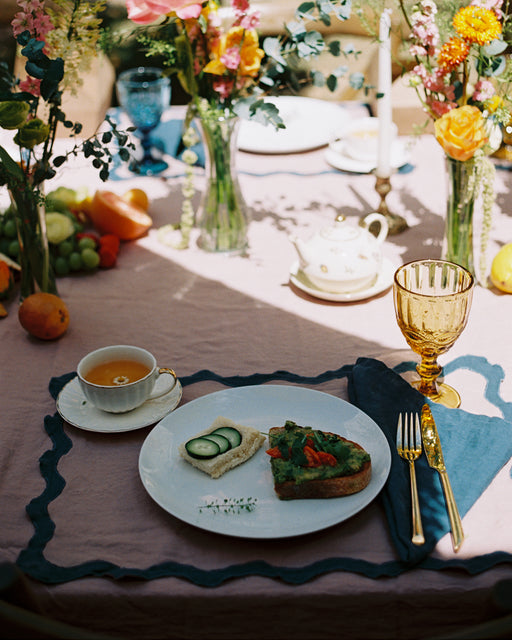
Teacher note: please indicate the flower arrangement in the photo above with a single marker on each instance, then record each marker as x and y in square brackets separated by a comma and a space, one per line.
[226, 64]
[59, 40]
[462, 77]
[227, 71]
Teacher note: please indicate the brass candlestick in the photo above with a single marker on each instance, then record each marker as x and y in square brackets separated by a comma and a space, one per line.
[396, 223]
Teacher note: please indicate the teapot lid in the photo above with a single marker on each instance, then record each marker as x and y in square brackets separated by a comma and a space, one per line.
[340, 231]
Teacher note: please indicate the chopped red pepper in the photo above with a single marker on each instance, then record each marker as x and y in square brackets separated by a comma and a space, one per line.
[274, 452]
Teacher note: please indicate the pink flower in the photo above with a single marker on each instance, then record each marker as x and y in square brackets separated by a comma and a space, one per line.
[241, 6]
[31, 85]
[251, 21]
[146, 11]
[42, 25]
[484, 90]
[22, 22]
[439, 107]
[223, 86]
[231, 58]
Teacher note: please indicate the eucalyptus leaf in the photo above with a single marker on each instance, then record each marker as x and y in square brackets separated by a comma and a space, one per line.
[495, 47]
[356, 80]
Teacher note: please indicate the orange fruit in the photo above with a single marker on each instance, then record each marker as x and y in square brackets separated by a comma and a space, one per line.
[44, 315]
[111, 213]
[138, 197]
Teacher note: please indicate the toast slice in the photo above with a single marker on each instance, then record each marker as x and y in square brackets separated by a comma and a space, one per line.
[251, 441]
[308, 463]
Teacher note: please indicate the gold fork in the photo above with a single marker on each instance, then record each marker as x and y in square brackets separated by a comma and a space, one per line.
[408, 444]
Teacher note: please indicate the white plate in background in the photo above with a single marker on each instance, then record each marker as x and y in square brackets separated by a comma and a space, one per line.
[310, 123]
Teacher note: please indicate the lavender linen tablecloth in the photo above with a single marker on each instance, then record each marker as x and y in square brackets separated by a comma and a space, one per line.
[238, 316]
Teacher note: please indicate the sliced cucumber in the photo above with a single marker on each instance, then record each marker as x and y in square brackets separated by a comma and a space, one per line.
[233, 435]
[202, 448]
[222, 441]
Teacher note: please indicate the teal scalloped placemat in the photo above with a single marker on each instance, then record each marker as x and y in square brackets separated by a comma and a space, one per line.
[381, 407]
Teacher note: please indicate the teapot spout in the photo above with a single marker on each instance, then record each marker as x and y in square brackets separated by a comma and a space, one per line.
[304, 254]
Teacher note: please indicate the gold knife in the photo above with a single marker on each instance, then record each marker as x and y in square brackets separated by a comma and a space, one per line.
[435, 459]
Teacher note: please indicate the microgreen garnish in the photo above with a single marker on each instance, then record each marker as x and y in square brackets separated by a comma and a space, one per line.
[230, 505]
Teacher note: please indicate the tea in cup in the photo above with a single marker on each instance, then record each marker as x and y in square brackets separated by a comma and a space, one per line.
[120, 378]
[362, 139]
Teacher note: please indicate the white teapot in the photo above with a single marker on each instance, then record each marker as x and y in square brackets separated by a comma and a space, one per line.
[344, 257]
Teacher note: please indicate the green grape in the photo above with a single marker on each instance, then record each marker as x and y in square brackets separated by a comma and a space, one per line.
[90, 258]
[61, 266]
[65, 248]
[13, 249]
[86, 243]
[75, 261]
[10, 228]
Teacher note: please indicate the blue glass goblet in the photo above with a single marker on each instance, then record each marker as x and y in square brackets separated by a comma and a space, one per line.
[144, 93]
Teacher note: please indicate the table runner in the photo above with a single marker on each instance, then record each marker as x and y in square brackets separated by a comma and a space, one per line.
[379, 400]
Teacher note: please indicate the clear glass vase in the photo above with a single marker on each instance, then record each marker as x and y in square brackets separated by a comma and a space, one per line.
[34, 257]
[460, 204]
[223, 218]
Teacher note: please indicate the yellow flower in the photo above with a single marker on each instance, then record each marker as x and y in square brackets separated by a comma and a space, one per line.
[243, 40]
[494, 103]
[453, 53]
[477, 25]
[460, 132]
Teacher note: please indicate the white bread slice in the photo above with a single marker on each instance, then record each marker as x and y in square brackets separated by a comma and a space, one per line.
[252, 440]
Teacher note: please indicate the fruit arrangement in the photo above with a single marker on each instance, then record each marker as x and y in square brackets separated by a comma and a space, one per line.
[84, 234]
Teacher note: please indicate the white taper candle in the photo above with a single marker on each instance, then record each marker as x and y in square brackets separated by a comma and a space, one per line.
[384, 108]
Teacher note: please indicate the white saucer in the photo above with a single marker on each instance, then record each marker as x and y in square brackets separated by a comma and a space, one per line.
[337, 156]
[383, 282]
[78, 412]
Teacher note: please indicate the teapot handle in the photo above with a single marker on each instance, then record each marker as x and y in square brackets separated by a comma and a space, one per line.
[384, 227]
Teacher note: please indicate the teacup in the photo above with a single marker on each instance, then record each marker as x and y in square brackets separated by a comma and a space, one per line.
[362, 138]
[120, 378]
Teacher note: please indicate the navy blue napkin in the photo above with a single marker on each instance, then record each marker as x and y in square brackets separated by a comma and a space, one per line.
[475, 447]
[167, 137]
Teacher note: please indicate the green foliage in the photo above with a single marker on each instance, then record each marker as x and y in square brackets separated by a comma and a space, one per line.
[32, 131]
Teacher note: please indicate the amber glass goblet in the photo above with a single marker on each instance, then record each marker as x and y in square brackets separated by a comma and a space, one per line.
[432, 302]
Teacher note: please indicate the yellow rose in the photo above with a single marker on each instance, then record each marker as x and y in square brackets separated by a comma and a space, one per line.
[461, 132]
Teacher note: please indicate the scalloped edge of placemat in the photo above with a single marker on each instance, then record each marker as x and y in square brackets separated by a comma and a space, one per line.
[32, 561]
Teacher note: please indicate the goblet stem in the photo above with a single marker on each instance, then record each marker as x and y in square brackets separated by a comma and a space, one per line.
[147, 156]
[429, 371]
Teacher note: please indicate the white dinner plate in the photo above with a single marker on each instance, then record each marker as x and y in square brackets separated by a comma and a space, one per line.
[383, 282]
[78, 412]
[185, 492]
[310, 123]
[337, 156]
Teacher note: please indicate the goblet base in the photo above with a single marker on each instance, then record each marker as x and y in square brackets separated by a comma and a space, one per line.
[148, 167]
[446, 395]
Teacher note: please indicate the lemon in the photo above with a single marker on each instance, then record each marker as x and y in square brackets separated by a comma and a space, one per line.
[58, 227]
[501, 269]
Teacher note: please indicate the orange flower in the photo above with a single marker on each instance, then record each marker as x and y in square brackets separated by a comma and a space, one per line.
[243, 40]
[461, 132]
[452, 54]
[477, 24]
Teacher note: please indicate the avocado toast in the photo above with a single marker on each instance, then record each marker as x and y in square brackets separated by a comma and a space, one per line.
[309, 463]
